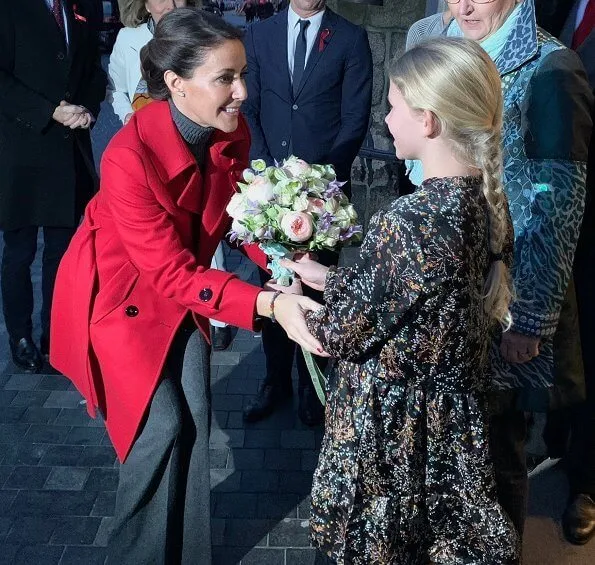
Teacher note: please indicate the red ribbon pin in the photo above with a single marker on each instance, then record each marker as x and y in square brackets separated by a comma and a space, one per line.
[324, 35]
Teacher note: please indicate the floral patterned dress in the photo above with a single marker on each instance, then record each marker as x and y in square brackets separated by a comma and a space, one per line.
[404, 474]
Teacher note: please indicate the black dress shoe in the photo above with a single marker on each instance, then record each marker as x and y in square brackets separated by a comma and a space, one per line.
[310, 411]
[578, 522]
[25, 355]
[44, 347]
[220, 337]
[268, 398]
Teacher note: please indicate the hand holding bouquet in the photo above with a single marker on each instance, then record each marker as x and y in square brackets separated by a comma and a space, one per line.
[294, 207]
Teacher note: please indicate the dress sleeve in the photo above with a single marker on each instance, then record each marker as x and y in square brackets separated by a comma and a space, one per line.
[364, 302]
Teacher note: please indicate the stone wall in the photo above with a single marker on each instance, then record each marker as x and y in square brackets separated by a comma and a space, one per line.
[376, 182]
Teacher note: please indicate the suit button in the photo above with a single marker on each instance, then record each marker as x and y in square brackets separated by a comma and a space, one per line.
[60, 56]
[284, 143]
[295, 106]
[66, 136]
[131, 311]
[205, 294]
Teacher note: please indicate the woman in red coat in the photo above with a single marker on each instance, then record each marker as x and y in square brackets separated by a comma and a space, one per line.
[135, 284]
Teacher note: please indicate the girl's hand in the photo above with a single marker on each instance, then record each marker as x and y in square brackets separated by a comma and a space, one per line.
[310, 272]
[294, 288]
[518, 348]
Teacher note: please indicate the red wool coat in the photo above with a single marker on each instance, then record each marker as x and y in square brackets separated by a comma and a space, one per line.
[139, 263]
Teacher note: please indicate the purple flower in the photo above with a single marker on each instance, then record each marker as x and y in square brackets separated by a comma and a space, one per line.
[350, 232]
[334, 189]
[324, 222]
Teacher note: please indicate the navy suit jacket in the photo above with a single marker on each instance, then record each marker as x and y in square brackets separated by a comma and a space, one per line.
[327, 120]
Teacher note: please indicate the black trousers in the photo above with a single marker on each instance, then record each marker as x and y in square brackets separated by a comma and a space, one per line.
[20, 247]
[280, 351]
[162, 514]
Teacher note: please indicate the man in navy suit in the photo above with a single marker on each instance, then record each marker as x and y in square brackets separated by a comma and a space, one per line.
[309, 94]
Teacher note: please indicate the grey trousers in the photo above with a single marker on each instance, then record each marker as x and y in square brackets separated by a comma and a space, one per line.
[162, 514]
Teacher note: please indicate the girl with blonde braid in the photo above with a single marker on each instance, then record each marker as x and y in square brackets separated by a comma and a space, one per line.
[404, 475]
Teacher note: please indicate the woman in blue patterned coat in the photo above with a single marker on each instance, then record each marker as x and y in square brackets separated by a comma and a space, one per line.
[546, 131]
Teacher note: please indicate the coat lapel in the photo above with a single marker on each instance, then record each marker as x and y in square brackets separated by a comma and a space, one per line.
[73, 28]
[279, 39]
[321, 43]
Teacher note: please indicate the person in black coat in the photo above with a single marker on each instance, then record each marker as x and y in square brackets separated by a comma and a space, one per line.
[51, 85]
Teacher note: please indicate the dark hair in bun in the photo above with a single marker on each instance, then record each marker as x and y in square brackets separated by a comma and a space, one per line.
[181, 41]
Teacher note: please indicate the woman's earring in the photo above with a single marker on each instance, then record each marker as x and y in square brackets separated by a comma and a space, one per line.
[182, 94]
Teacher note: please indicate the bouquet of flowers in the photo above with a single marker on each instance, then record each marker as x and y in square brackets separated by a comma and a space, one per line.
[289, 208]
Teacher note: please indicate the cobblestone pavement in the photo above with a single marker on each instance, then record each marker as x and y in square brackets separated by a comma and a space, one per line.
[58, 471]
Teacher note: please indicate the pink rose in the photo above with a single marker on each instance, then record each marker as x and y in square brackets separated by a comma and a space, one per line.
[260, 190]
[315, 206]
[297, 226]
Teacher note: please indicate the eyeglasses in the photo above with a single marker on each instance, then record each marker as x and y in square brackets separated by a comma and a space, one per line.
[474, 1]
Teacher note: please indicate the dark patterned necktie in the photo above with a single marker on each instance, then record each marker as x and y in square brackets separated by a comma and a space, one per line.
[58, 14]
[299, 58]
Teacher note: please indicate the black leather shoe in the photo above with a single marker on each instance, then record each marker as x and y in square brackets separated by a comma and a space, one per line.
[268, 398]
[220, 337]
[44, 347]
[578, 522]
[25, 355]
[310, 411]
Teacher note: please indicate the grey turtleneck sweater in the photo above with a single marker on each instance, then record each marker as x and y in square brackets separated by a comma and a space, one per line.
[196, 136]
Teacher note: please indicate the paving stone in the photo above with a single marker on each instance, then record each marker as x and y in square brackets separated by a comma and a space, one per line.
[30, 398]
[277, 506]
[290, 533]
[259, 481]
[304, 508]
[225, 358]
[228, 555]
[246, 346]
[40, 415]
[297, 439]
[5, 472]
[235, 420]
[38, 554]
[249, 459]
[52, 503]
[282, 459]
[7, 555]
[104, 532]
[243, 532]
[6, 500]
[218, 457]
[262, 438]
[97, 456]
[46, 433]
[75, 531]
[11, 414]
[102, 478]
[232, 372]
[225, 480]
[105, 504]
[299, 482]
[84, 436]
[6, 397]
[219, 419]
[309, 460]
[67, 478]
[29, 530]
[283, 419]
[12, 433]
[84, 556]
[235, 505]
[227, 402]
[62, 455]
[24, 454]
[63, 399]
[5, 525]
[231, 438]
[27, 478]
[238, 386]
[217, 531]
[53, 382]
[22, 382]
[262, 556]
[300, 556]
[73, 417]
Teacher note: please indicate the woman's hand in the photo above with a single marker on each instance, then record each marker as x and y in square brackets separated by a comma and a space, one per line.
[294, 288]
[310, 272]
[519, 348]
[290, 313]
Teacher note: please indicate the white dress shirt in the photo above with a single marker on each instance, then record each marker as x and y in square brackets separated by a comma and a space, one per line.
[50, 5]
[293, 31]
[580, 13]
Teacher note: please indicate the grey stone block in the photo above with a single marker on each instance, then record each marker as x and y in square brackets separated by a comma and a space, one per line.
[63, 399]
[97, 456]
[229, 555]
[300, 556]
[239, 386]
[227, 402]
[73, 417]
[40, 415]
[290, 533]
[85, 436]
[262, 556]
[7, 498]
[22, 382]
[225, 358]
[225, 480]
[246, 459]
[235, 420]
[84, 556]
[247, 346]
[31, 530]
[244, 532]
[309, 460]
[27, 478]
[219, 419]
[11, 414]
[228, 372]
[262, 438]
[104, 504]
[5, 472]
[75, 531]
[38, 554]
[297, 439]
[304, 508]
[231, 438]
[40, 433]
[103, 533]
[63, 455]
[53, 382]
[218, 457]
[282, 459]
[259, 481]
[298, 482]
[30, 398]
[217, 531]
[52, 503]
[102, 479]
[12, 433]
[67, 478]
[6, 397]
[24, 454]
[235, 505]
[5, 525]
[277, 506]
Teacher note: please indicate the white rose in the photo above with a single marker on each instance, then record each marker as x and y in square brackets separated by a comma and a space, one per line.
[297, 167]
[240, 229]
[237, 206]
[260, 190]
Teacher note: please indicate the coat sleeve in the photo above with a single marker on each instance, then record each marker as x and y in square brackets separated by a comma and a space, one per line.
[364, 302]
[117, 89]
[251, 107]
[556, 125]
[17, 100]
[150, 238]
[356, 105]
